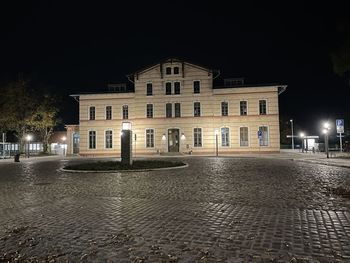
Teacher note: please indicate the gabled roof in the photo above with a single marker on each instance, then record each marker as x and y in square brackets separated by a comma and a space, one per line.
[168, 60]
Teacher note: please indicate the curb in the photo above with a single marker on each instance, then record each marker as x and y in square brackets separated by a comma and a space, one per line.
[125, 171]
[322, 163]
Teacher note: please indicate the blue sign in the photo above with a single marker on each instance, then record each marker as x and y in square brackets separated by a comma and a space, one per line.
[340, 125]
[259, 134]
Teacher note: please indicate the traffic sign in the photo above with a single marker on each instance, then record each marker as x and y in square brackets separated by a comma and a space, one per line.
[340, 125]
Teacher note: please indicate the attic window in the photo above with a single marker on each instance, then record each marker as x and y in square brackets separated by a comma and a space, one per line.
[233, 82]
[168, 70]
[176, 70]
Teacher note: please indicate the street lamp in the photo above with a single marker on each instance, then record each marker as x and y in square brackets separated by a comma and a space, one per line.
[302, 135]
[291, 123]
[28, 138]
[64, 138]
[216, 142]
[326, 128]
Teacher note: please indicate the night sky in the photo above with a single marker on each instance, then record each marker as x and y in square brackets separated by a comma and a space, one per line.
[73, 47]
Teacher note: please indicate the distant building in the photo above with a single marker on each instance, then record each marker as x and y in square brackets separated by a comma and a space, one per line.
[174, 107]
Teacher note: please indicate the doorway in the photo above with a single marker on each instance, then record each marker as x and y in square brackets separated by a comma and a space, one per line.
[173, 140]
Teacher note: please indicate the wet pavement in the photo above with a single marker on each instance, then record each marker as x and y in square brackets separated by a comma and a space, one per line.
[216, 210]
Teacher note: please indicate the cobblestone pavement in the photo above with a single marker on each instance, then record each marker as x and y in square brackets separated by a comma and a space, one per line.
[216, 210]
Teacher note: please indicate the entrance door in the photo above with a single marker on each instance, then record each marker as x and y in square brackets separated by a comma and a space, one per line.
[173, 140]
[76, 140]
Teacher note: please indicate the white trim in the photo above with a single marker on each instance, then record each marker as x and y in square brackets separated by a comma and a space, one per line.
[239, 140]
[180, 87]
[228, 108]
[123, 112]
[171, 88]
[229, 134]
[259, 107]
[196, 147]
[154, 138]
[104, 139]
[171, 110]
[149, 82]
[167, 137]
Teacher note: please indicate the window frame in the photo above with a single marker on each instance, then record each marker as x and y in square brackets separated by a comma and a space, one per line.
[105, 139]
[268, 136]
[175, 93]
[200, 109]
[193, 87]
[152, 108]
[166, 88]
[166, 110]
[226, 108]
[127, 111]
[239, 131]
[147, 86]
[166, 70]
[146, 139]
[229, 137]
[240, 108]
[89, 113]
[177, 103]
[201, 138]
[178, 70]
[106, 115]
[95, 139]
[265, 107]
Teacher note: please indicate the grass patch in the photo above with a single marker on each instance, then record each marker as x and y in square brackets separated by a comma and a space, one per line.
[114, 165]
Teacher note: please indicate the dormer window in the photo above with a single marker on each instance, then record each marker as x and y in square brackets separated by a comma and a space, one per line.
[176, 70]
[168, 70]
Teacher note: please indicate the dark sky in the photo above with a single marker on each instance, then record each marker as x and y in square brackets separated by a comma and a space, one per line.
[75, 46]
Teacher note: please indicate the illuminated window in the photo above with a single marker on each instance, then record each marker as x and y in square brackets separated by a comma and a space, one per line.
[197, 137]
[149, 138]
[108, 112]
[225, 136]
[92, 113]
[109, 139]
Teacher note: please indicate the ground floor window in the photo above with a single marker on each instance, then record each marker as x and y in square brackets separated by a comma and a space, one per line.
[264, 140]
[225, 136]
[92, 139]
[149, 138]
[243, 132]
[109, 139]
[197, 137]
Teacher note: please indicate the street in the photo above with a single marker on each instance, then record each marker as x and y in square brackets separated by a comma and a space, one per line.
[222, 209]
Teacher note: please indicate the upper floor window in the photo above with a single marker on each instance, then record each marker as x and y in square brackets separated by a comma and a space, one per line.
[92, 111]
[168, 88]
[168, 110]
[109, 139]
[264, 140]
[177, 110]
[243, 107]
[168, 70]
[108, 112]
[92, 139]
[197, 137]
[176, 70]
[149, 138]
[262, 107]
[225, 136]
[149, 110]
[125, 112]
[243, 132]
[197, 109]
[177, 87]
[196, 86]
[224, 108]
[149, 91]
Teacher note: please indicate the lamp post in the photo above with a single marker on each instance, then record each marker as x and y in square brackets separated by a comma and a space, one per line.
[216, 142]
[302, 135]
[28, 138]
[64, 138]
[326, 128]
[291, 123]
